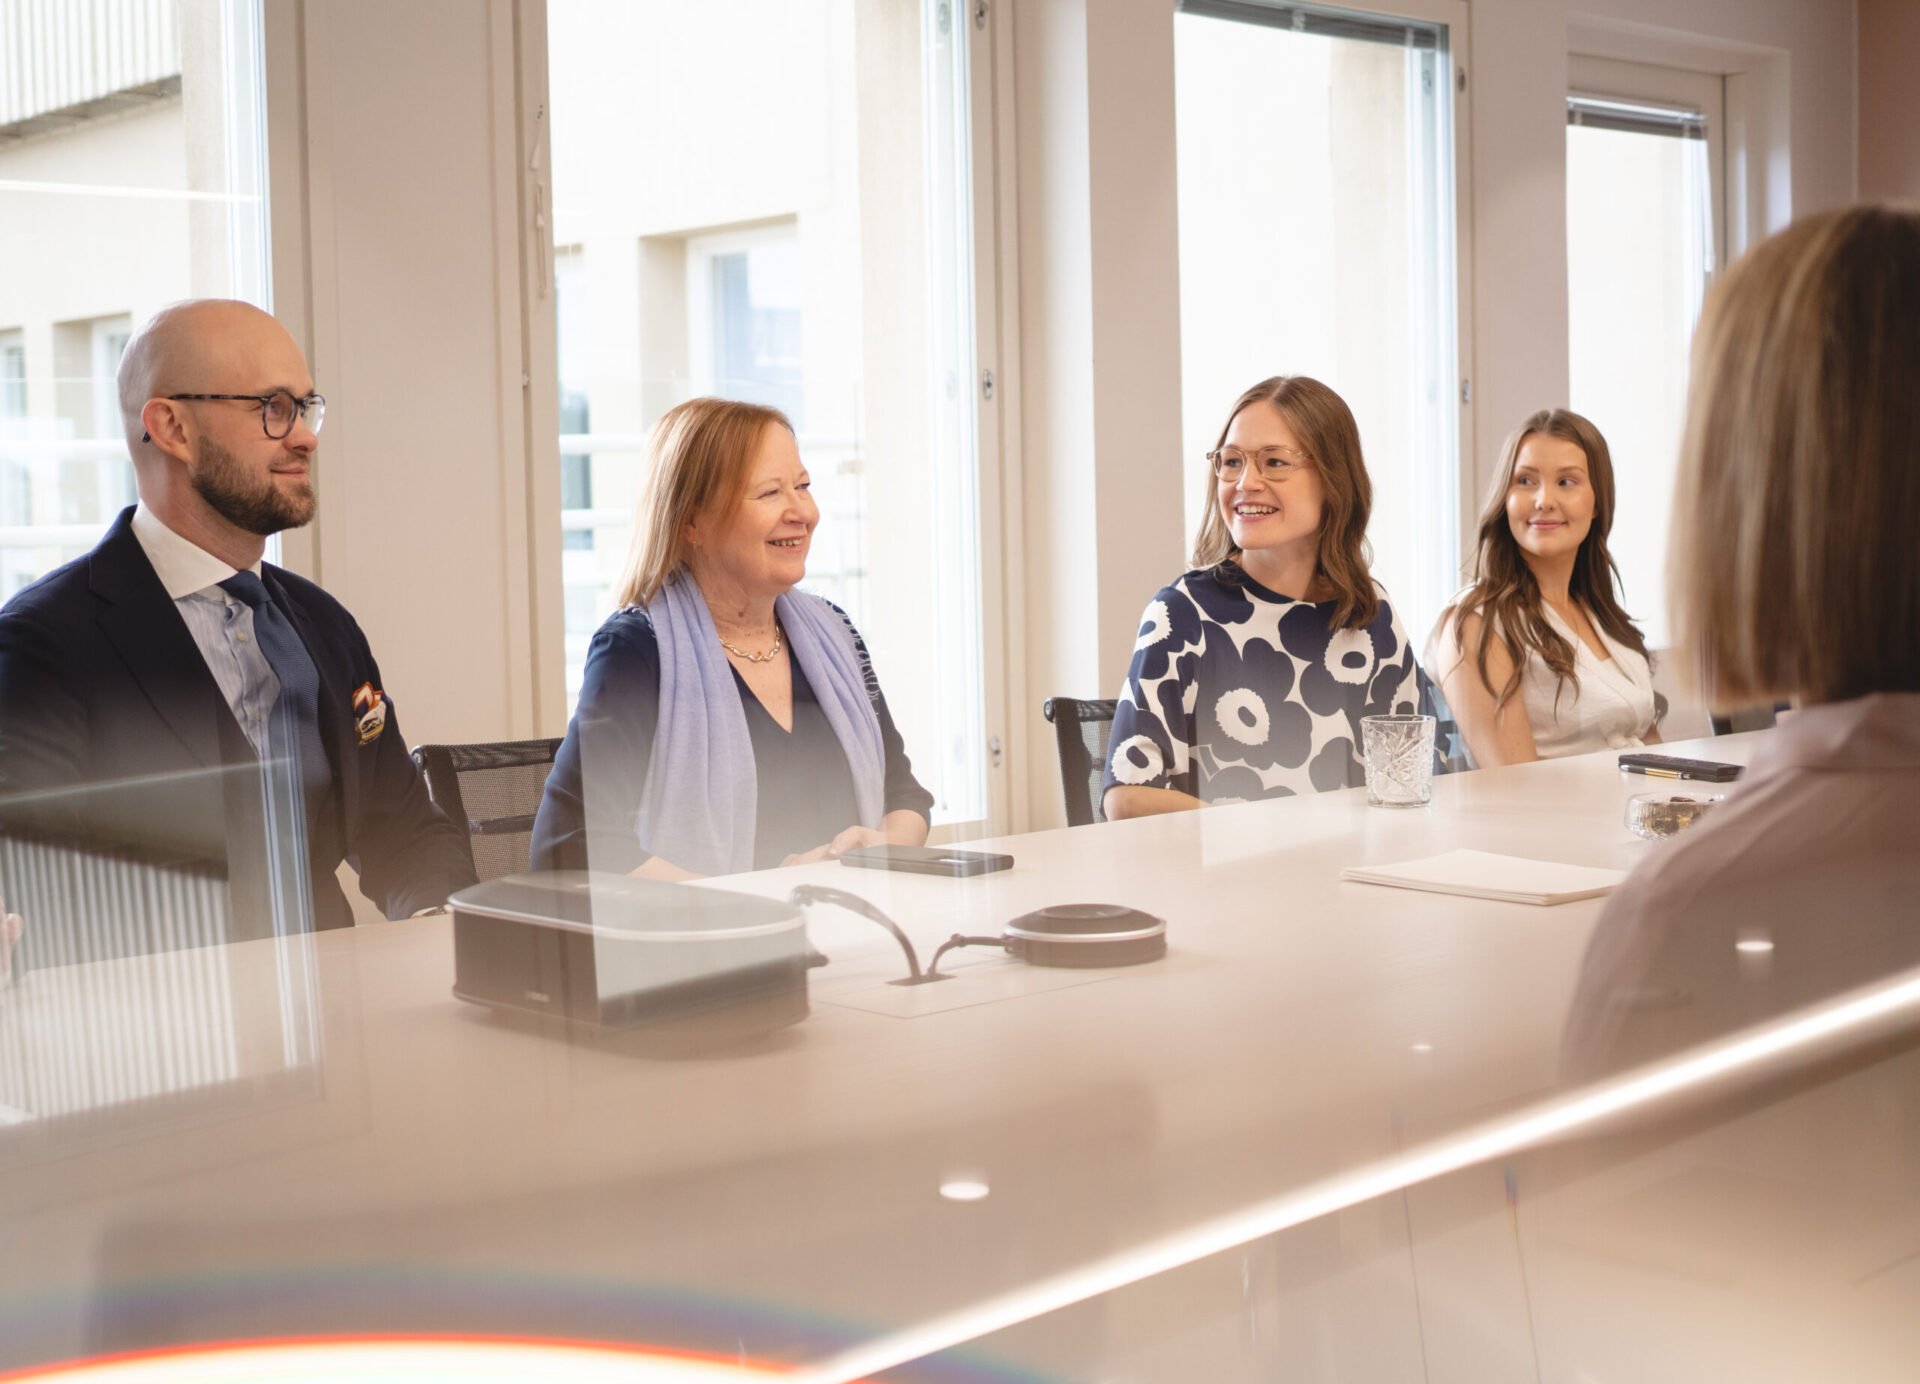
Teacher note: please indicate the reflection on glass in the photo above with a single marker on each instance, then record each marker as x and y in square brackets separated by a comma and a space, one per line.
[94, 1038]
[127, 986]
[132, 174]
[155, 864]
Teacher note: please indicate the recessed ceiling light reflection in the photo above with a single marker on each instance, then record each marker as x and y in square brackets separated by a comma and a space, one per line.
[963, 1189]
[1754, 946]
[1423, 1047]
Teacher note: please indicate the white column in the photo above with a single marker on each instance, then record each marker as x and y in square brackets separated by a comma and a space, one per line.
[1100, 344]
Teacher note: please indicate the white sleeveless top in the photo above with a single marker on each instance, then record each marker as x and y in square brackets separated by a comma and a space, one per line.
[1611, 709]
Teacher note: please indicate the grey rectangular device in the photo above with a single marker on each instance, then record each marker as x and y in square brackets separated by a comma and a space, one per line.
[926, 860]
[617, 952]
[1675, 767]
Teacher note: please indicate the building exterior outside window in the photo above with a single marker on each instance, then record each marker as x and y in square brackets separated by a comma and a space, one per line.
[131, 176]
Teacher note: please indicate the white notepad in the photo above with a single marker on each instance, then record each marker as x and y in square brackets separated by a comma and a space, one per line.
[1484, 875]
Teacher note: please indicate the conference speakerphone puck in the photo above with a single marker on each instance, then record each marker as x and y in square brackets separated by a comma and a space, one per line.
[1087, 934]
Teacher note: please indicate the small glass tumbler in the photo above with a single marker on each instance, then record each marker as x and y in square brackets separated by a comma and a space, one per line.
[1399, 758]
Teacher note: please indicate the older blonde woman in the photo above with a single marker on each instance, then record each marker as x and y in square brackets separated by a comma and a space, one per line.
[727, 721]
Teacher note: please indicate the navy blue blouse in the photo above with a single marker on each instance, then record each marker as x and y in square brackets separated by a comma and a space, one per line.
[805, 785]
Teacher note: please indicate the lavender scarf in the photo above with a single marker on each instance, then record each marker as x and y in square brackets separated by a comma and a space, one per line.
[702, 793]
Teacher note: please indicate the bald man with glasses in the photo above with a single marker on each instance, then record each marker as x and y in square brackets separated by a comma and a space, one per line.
[172, 648]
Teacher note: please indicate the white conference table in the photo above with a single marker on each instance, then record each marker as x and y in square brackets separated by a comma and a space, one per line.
[314, 1137]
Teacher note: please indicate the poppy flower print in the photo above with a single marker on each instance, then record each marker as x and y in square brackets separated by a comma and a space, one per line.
[1238, 693]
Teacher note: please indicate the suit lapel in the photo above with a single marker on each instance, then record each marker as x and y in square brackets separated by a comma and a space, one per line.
[153, 641]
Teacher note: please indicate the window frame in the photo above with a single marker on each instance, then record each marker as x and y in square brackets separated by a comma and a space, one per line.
[1455, 17]
[1681, 93]
[1678, 89]
[995, 302]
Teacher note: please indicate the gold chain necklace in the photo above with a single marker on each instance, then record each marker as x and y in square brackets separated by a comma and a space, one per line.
[766, 657]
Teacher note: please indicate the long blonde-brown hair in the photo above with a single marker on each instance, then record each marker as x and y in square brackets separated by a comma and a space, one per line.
[1794, 562]
[1505, 594]
[697, 460]
[1324, 424]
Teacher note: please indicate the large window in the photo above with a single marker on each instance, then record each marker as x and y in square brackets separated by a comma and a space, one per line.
[1643, 212]
[771, 201]
[1316, 174]
[131, 175]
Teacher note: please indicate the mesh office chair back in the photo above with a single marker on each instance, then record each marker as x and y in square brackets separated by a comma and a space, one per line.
[1081, 729]
[493, 790]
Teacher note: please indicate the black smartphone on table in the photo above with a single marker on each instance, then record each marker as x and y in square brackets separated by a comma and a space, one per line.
[926, 860]
[1673, 766]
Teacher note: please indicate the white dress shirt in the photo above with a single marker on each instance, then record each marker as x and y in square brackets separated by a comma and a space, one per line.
[221, 625]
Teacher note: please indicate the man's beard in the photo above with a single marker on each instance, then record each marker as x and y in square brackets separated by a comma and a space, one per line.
[234, 493]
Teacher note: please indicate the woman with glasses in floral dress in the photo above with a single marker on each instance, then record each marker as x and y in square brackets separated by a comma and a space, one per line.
[1252, 672]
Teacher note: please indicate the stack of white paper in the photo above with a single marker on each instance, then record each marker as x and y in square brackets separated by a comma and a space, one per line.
[1484, 875]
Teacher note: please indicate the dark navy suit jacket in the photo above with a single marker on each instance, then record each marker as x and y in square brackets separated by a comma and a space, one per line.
[100, 680]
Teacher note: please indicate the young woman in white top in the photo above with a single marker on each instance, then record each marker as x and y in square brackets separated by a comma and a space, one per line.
[1536, 657]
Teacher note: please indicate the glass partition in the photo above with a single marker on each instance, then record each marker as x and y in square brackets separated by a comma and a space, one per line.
[132, 174]
[1336, 1131]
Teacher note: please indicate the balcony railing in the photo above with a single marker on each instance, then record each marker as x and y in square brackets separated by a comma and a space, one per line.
[65, 55]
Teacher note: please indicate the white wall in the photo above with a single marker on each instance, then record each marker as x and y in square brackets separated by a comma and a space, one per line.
[1889, 100]
[1813, 44]
[1517, 72]
[1797, 58]
[1099, 347]
[412, 306]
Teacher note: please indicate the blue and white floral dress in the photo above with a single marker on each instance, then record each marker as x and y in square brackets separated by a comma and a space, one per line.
[1237, 692]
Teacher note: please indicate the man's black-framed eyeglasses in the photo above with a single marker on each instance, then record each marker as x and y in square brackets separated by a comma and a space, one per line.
[278, 409]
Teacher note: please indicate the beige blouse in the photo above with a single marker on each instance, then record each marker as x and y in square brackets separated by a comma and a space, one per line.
[1816, 851]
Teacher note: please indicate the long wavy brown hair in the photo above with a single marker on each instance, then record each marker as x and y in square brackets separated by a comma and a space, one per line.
[1504, 592]
[1324, 424]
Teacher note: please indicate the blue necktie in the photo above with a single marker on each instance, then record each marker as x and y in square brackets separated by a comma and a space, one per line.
[294, 728]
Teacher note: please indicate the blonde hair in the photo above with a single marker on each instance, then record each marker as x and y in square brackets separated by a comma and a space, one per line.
[1504, 592]
[697, 460]
[1794, 562]
[1324, 424]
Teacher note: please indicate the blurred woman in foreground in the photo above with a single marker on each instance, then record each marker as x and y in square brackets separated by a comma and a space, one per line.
[1796, 573]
